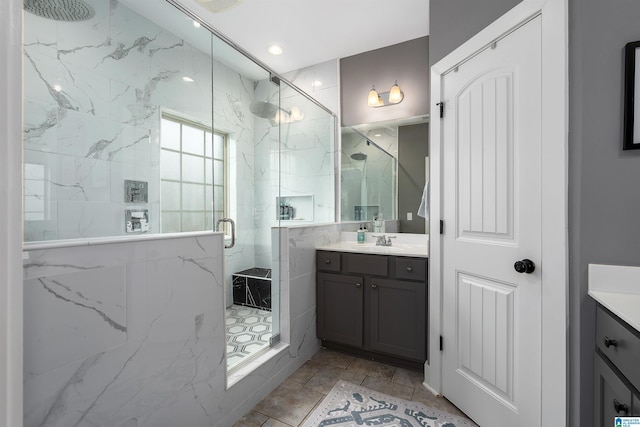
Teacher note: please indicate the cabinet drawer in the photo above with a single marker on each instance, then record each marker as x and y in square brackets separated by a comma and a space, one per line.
[619, 344]
[411, 268]
[612, 396]
[375, 265]
[328, 261]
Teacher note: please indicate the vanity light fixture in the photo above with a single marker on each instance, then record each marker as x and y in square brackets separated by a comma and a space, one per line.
[384, 99]
[374, 99]
[395, 94]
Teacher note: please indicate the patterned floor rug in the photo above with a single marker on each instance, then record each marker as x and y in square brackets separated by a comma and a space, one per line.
[352, 405]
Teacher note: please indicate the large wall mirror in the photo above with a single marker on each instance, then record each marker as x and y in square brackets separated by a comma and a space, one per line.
[385, 168]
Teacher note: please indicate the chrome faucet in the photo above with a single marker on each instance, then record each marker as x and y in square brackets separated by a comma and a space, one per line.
[384, 240]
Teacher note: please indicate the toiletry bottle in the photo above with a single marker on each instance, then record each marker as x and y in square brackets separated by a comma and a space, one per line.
[361, 235]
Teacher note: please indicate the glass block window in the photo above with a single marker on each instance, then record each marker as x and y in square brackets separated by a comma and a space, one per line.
[192, 175]
[36, 193]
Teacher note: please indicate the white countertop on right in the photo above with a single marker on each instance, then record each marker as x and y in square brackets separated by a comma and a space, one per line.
[617, 288]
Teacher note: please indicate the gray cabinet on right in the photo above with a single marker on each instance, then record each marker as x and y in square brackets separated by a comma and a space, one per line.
[617, 369]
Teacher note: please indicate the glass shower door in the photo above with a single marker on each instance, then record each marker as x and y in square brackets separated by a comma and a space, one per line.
[245, 106]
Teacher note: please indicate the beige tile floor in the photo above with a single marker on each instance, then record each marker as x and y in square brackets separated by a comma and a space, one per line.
[291, 403]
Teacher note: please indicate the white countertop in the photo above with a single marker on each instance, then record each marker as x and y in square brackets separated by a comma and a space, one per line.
[618, 289]
[413, 245]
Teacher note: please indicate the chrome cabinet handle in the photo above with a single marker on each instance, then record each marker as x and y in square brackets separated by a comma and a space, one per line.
[409, 269]
[358, 285]
[374, 286]
[233, 231]
[327, 261]
[609, 342]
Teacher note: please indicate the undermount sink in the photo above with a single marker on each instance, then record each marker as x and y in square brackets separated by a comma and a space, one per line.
[371, 247]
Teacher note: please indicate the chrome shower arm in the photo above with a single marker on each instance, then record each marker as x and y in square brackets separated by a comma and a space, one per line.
[233, 231]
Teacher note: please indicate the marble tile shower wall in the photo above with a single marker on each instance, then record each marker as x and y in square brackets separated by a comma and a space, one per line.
[305, 156]
[309, 148]
[93, 95]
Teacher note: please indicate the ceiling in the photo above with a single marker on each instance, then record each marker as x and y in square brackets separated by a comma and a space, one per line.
[315, 31]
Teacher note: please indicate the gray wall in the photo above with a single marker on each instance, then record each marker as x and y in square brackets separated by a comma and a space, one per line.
[413, 147]
[453, 22]
[407, 62]
[604, 196]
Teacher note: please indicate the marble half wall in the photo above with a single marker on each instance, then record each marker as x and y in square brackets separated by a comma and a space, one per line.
[132, 333]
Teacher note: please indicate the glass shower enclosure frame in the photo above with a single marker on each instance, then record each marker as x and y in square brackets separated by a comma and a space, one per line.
[243, 143]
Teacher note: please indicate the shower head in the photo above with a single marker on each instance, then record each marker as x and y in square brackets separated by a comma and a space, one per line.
[60, 10]
[359, 156]
[266, 110]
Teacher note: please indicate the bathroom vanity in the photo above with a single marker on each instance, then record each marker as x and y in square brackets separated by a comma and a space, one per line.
[617, 352]
[372, 301]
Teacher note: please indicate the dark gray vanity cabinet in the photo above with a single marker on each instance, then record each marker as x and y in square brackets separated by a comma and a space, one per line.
[617, 369]
[397, 317]
[341, 297]
[373, 305]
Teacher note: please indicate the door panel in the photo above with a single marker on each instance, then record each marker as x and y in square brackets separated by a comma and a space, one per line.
[398, 317]
[340, 308]
[485, 313]
[492, 193]
[485, 147]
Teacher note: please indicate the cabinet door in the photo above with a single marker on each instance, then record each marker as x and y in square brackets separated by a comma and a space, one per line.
[340, 308]
[397, 317]
[612, 398]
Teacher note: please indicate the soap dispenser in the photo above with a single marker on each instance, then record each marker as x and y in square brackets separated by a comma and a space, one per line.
[360, 235]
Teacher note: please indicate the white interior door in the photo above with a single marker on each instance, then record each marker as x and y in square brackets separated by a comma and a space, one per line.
[491, 315]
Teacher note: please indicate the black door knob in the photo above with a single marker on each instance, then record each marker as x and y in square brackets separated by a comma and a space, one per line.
[524, 266]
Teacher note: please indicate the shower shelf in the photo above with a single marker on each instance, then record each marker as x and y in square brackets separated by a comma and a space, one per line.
[302, 205]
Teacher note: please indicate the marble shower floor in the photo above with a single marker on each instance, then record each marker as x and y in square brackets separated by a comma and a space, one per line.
[292, 402]
[248, 333]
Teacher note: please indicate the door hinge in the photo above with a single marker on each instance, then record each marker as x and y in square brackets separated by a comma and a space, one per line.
[441, 227]
[275, 79]
[441, 343]
[441, 105]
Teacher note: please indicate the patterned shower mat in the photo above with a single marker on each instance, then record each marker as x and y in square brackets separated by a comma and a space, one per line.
[352, 405]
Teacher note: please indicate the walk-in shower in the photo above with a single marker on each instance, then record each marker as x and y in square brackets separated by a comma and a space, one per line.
[139, 127]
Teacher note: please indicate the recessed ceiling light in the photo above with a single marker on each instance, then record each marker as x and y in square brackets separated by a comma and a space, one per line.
[57, 88]
[316, 83]
[196, 24]
[377, 134]
[187, 79]
[274, 49]
[217, 6]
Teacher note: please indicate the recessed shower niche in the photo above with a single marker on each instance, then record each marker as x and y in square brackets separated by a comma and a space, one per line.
[295, 208]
